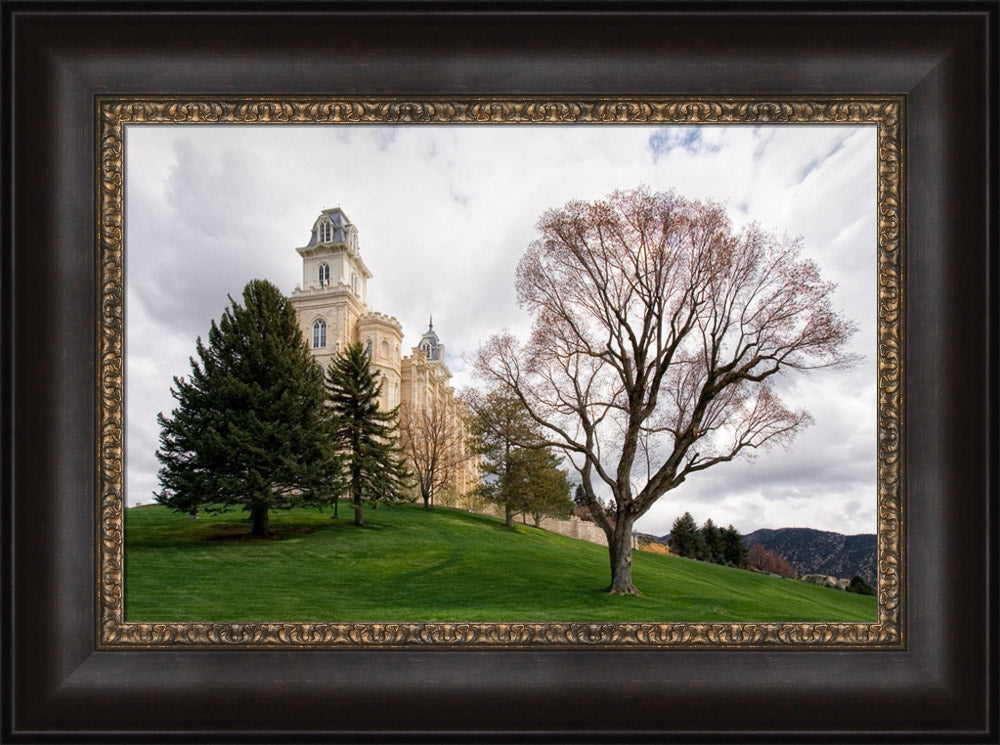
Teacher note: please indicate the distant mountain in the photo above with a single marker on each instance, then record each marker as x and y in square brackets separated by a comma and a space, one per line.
[820, 552]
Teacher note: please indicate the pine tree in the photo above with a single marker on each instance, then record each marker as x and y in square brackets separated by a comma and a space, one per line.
[547, 485]
[859, 586]
[734, 549]
[685, 538]
[503, 433]
[251, 428]
[365, 436]
[714, 546]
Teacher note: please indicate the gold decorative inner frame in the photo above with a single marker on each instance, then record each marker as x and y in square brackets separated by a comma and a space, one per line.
[113, 114]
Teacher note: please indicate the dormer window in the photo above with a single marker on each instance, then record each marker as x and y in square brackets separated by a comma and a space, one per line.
[324, 274]
[319, 334]
[325, 232]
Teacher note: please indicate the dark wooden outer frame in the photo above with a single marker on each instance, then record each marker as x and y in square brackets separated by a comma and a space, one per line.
[58, 686]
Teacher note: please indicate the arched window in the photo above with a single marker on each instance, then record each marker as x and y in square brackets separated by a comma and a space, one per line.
[325, 232]
[368, 347]
[319, 334]
[354, 282]
[324, 274]
[385, 349]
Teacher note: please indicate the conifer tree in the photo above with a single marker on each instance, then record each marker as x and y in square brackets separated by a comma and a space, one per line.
[734, 549]
[365, 436]
[504, 435]
[714, 547]
[547, 485]
[685, 538]
[251, 428]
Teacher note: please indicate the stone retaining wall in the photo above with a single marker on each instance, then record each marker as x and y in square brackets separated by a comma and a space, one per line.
[573, 527]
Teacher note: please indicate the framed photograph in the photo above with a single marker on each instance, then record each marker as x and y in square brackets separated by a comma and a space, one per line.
[187, 246]
[165, 174]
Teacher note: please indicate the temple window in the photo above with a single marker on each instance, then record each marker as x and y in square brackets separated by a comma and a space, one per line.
[319, 333]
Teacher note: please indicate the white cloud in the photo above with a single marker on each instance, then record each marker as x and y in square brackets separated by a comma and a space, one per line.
[445, 213]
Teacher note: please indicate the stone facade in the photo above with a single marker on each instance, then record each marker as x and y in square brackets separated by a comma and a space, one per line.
[332, 312]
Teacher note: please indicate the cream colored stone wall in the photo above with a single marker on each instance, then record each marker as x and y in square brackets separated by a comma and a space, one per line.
[338, 307]
[384, 335]
[424, 384]
[573, 527]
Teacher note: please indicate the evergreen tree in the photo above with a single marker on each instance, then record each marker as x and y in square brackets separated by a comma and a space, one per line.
[714, 546]
[546, 485]
[251, 428]
[734, 549]
[365, 436]
[503, 434]
[859, 586]
[685, 538]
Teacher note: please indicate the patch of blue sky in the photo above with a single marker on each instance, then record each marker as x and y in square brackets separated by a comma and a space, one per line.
[665, 139]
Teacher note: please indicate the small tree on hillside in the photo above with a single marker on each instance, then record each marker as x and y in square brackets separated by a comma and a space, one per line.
[764, 560]
[364, 435]
[859, 586]
[734, 550]
[504, 435]
[548, 486]
[658, 330]
[433, 440]
[250, 429]
[714, 546]
[685, 538]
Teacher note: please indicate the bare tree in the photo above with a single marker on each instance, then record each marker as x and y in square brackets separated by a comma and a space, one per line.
[433, 440]
[658, 332]
[760, 558]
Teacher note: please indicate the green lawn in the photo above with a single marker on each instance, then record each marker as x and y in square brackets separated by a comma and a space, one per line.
[409, 564]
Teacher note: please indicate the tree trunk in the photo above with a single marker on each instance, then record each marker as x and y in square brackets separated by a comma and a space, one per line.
[509, 516]
[359, 518]
[620, 549]
[426, 494]
[261, 523]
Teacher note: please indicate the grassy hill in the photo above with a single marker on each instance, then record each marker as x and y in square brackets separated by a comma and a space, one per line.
[409, 564]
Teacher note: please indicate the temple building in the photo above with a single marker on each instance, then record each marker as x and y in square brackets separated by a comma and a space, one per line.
[331, 306]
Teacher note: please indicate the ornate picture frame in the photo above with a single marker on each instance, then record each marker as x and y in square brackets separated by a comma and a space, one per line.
[885, 114]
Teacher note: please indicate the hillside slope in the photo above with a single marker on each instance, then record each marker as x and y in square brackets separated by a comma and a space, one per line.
[821, 552]
[411, 564]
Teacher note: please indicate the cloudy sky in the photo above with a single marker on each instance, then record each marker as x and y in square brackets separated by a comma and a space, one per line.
[444, 213]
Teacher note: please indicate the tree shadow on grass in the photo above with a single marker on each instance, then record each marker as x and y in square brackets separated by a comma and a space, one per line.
[238, 533]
